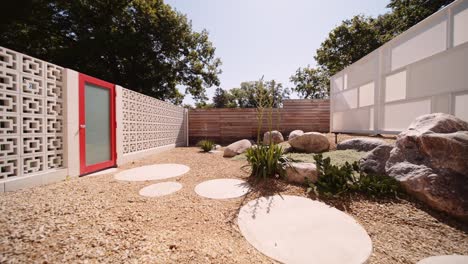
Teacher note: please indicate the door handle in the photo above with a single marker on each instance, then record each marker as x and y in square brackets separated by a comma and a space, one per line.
[82, 126]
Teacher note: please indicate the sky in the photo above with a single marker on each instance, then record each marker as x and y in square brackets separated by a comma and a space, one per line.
[270, 38]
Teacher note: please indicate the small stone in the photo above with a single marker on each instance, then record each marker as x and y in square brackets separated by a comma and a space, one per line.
[275, 136]
[237, 148]
[299, 172]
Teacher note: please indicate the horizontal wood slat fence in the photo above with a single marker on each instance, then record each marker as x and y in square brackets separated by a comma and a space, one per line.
[225, 125]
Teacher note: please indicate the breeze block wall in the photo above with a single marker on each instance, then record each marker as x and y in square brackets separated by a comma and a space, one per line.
[39, 123]
[31, 119]
[148, 125]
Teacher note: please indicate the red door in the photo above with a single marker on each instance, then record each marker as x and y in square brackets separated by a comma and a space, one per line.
[97, 124]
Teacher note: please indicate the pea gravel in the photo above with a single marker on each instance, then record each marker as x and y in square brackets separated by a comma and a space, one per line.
[102, 220]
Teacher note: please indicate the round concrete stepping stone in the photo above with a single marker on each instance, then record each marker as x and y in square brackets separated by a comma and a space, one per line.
[160, 189]
[294, 229]
[446, 259]
[222, 188]
[152, 172]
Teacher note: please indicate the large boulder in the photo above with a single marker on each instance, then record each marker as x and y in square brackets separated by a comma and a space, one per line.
[375, 160]
[360, 144]
[237, 148]
[430, 160]
[310, 142]
[295, 133]
[275, 136]
[301, 172]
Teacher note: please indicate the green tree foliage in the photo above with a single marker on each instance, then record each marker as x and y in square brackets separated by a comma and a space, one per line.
[141, 44]
[407, 13]
[247, 96]
[223, 99]
[203, 104]
[359, 36]
[311, 83]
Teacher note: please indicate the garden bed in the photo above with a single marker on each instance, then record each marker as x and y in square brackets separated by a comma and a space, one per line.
[100, 219]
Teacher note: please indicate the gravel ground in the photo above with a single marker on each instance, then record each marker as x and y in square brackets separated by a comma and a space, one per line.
[97, 219]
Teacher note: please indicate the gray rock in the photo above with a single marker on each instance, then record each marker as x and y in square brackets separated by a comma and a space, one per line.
[298, 172]
[310, 142]
[430, 160]
[275, 136]
[360, 144]
[237, 148]
[374, 162]
[295, 133]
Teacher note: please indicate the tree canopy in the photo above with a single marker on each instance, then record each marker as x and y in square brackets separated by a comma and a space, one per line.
[311, 83]
[356, 37]
[248, 95]
[223, 99]
[141, 44]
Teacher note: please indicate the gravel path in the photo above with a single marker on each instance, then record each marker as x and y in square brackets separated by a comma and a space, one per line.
[99, 219]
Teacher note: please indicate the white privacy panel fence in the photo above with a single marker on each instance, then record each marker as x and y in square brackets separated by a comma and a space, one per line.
[423, 70]
[39, 123]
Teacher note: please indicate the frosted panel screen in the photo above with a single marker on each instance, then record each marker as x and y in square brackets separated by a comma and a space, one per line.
[421, 71]
[395, 87]
[355, 120]
[461, 106]
[366, 95]
[97, 116]
[427, 43]
[363, 71]
[345, 81]
[338, 84]
[346, 100]
[460, 31]
[399, 116]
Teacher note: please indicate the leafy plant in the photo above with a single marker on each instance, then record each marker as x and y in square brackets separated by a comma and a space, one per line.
[377, 185]
[267, 161]
[206, 145]
[335, 180]
[332, 180]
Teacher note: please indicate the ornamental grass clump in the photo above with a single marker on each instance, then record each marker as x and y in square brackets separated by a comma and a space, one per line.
[266, 161]
[206, 145]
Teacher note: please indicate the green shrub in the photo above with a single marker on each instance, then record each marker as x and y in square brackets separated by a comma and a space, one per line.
[332, 180]
[336, 180]
[267, 161]
[377, 185]
[206, 145]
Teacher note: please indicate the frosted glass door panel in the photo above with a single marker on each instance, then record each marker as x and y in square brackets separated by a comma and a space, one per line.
[97, 114]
